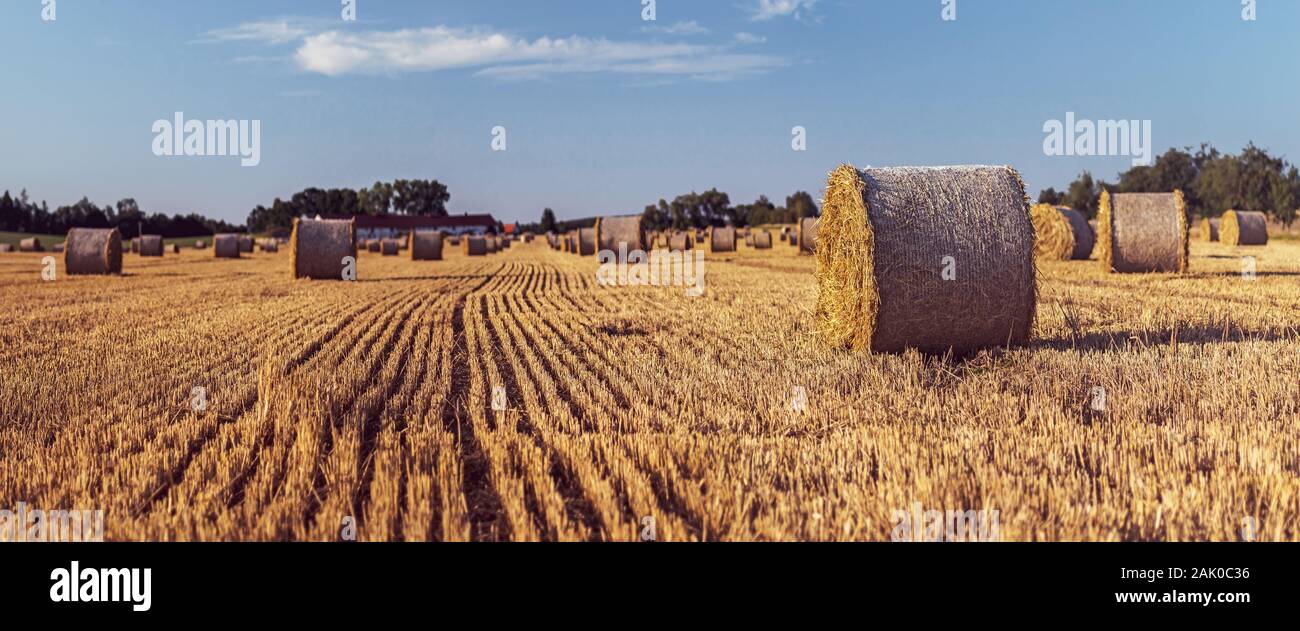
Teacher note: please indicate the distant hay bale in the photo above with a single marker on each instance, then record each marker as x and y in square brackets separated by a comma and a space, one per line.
[30, 244]
[58, 248]
[491, 243]
[474, 246]
[426, 246]
[374, 245]
[1143, 232]
[453, 241]
[134, 245]
[1209, 229]
[621, 235]
[681, 242]
[936, 259]
[150, 245]
[749, 240]
[226, 246]
[807, 236]
[1061, 234]
[174, 248]
[200, 245]
[1244, 227]
[93, 251]
[389, 247]
[722, 239]
[587, 242]
[270, 246]
[6, 247]
[762, 240]
[319, 248]
[245, 243]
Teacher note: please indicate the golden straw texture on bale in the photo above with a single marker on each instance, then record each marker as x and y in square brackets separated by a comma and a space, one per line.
[1244, 227]
[30, 244]
[587, 242]
[762, 240]
[151, 245]
[722, 239]
[245, 243]
[1061, 233]
[807, 237]
[93, 251]
[426, 246]
[318, 248]
[627, 232]
[1143, 232]
[681, 242]
[936, 259]
[491, 243]
[388, 247]
[474, 246]
[1209, 229]
[226, 246]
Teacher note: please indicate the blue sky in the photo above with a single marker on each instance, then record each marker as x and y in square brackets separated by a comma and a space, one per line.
[604, 112]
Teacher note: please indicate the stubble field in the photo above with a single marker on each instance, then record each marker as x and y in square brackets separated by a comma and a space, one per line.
[370, 403]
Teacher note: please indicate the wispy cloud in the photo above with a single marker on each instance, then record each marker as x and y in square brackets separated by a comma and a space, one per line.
[749, 38]
[769, 9]
[681, 28]
[277, 31]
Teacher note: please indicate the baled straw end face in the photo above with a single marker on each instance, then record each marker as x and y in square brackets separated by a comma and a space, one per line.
[847, 300]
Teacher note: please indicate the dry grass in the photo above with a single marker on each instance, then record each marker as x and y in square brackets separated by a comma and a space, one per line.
[372, 400]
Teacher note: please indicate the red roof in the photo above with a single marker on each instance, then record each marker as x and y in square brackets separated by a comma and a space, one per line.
[511, 228]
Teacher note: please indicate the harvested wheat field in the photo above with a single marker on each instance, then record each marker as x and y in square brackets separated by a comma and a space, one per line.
[194, 397]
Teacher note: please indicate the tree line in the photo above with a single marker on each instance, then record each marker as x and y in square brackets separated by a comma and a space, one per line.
[1212, 182]
[699, 210]
[21, 214]
[402, 197]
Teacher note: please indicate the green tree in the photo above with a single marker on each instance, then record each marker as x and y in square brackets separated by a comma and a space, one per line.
[548, 221]
[800, 205]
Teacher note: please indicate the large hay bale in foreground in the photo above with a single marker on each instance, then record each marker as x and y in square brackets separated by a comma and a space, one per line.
[762, 240]
[426, 246]
[681, 242]
[245, 243]
[474, 246]
[150, 245]
[93, 251]
[30, 244]
[322, 248]
[621, 234]
[1061, 234]
[587, 242]
[1244, 227]
[389, 247]
[722, 239]
[935, 258]
[807, 237]
[226, 246]
[1209, 229]
[1143, 232]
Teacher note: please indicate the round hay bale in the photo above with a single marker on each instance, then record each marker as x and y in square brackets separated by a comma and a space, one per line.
[174, 248]
[389, 247]
[318, 248]
[6, 247]
[749, 240]
[722, 239]
[150, 245]
[491, 243]
[200, 245]
[453, 241]
[245, 243]
[475, 246]
[30, 244]
[426, 246]
[373, 245]
[807, 237]
[621, 234]
[681, 242]
[270, 246]
[587, 242]
[134, 245]
[93, 251]
[1061, 234]
[762, 240]
[1209, 229]
[58, 248]
[931, 258]
[1244, 227]
[1143, 232]
[226, 246]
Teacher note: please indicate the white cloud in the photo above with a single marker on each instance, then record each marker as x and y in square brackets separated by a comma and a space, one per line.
[282, 31]
[503, 56]
[768, 9]
[749, 38]
[680, 28]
